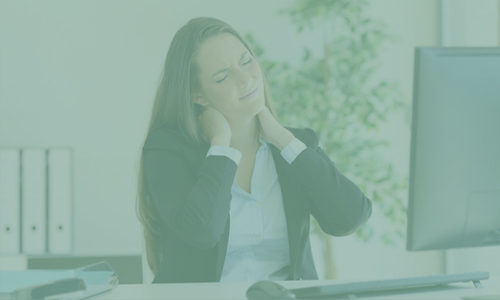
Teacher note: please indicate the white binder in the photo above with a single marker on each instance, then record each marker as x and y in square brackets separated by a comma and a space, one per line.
[60, 194]
[9, 201]
[33, 201]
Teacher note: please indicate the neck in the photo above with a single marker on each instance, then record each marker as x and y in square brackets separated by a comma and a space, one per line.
[245, 136]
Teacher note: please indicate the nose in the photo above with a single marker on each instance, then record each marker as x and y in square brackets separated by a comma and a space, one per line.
[244, 79]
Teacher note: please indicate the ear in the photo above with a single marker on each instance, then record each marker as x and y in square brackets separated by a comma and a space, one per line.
[199, 100]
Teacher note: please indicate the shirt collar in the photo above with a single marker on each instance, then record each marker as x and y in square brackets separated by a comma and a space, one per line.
[263, 141]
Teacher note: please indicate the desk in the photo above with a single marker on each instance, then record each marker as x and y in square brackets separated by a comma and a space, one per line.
[235, 291]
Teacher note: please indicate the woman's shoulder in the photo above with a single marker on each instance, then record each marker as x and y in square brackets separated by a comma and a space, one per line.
[165, 138]
[306, 136]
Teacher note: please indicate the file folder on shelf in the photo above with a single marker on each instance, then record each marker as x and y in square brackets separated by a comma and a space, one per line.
[74, 284]
[33, 197]
[36, 200]
[59, 201]
[10, 227]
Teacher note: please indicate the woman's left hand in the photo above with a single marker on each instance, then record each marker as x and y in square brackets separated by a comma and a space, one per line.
[272, 131]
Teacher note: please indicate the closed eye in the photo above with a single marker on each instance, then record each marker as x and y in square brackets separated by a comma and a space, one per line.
[246, 63]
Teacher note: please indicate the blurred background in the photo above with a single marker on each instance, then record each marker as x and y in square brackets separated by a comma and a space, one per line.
[83, 75]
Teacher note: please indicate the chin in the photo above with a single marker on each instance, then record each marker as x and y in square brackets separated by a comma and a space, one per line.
[254, 110]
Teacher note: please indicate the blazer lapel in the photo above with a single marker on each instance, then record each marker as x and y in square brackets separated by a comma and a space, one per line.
[221, 248]
[222, 251]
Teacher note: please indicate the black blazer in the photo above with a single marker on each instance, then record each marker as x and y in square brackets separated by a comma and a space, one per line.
[192, 193]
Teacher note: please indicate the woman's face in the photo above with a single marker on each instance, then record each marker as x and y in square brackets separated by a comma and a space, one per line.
[228, 72]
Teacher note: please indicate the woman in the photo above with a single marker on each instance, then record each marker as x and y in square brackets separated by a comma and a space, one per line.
[225, 191]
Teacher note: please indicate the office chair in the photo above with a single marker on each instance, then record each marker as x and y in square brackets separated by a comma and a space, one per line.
[147, 274]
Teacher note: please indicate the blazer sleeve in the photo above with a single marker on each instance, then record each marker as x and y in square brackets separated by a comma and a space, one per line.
[338, 205]
[194, 207]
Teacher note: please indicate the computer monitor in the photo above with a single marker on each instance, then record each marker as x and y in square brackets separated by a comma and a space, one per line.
[454, 192]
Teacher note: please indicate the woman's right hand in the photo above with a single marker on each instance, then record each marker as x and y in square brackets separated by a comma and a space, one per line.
[216, 129]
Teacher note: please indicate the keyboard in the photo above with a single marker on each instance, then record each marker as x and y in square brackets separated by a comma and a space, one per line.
[351, 289]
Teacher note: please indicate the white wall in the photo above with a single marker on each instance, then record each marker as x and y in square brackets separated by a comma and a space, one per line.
[468, 23]
[81, 74]
[84, 74]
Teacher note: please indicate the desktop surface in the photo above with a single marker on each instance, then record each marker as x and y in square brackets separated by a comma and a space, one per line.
[236, 291]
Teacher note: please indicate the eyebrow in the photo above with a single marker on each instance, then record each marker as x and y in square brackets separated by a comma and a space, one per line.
[224, 70]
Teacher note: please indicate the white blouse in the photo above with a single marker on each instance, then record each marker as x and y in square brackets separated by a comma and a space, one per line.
[258, 238]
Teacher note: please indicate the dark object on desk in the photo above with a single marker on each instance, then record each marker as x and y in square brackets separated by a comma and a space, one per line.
[72, 284]
[275, 291]
[128, 267]
[268, 290]
[54, 288]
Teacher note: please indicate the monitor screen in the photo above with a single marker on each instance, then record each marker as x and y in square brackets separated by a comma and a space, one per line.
[454, 194]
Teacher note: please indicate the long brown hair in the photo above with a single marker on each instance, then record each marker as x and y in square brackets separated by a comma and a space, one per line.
[173, 108]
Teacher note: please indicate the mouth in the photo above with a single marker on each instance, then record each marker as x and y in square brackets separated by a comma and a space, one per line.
[249, 95]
